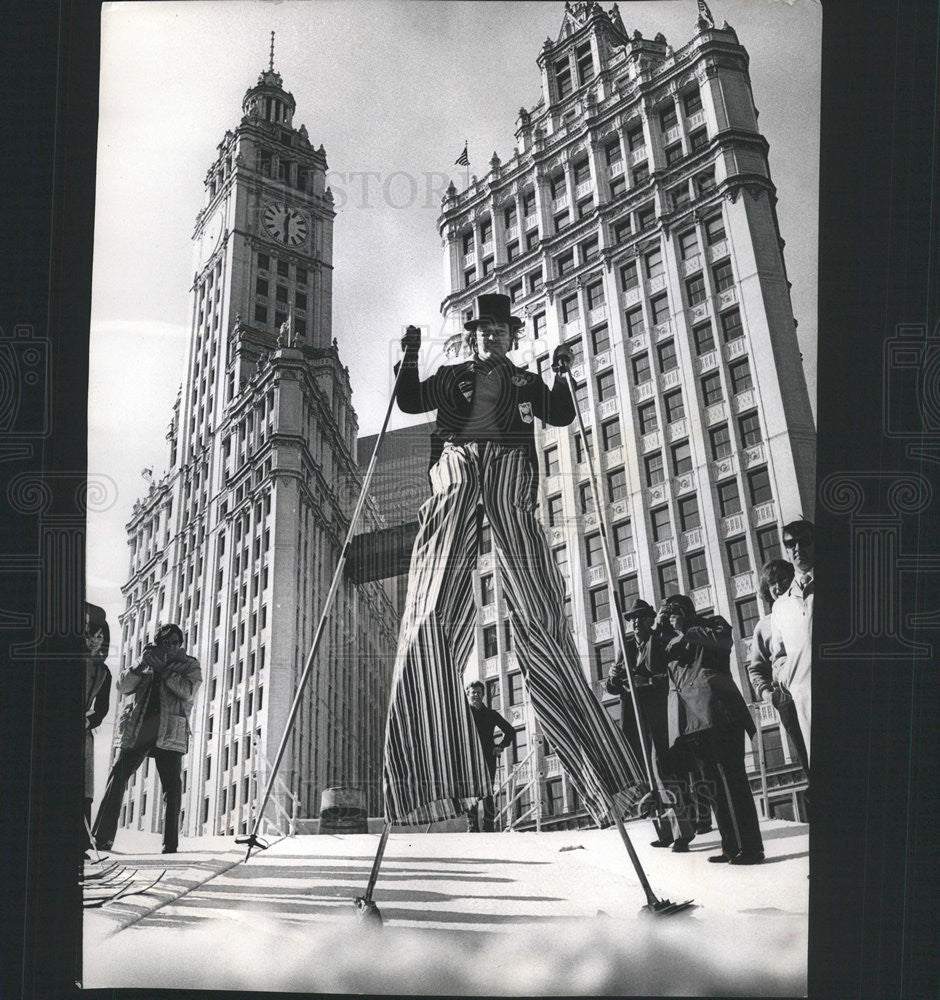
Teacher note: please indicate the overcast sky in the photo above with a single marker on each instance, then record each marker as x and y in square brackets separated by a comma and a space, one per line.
[390, 88]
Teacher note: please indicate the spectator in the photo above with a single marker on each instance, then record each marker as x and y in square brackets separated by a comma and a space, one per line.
[154, 723]
[97, 691]
[647, 664]
[487, 720]
[708, 718]
[792, 626]
[775, 578]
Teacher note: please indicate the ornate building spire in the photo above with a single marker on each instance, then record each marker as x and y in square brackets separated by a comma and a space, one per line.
[271, 63]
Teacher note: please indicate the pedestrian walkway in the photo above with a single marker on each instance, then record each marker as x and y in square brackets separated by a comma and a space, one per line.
[464, 914]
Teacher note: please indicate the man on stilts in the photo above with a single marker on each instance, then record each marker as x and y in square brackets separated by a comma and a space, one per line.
[483, 454]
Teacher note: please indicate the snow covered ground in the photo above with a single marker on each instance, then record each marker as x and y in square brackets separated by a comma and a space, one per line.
[464, 914]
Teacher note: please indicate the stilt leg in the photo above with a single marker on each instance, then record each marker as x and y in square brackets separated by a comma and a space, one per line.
[366, 910]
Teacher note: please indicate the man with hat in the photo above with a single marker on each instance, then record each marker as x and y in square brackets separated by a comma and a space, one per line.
[647, 665]
[708, 718]
[483, 455]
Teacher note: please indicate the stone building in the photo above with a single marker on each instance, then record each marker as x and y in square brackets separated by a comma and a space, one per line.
[635, 221]
[238, 541]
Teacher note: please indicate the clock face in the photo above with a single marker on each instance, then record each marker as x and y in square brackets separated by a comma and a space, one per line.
[284, 223]
[211, 235]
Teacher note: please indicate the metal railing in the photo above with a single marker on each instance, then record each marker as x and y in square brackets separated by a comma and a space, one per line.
[524, 777]
[259, 775]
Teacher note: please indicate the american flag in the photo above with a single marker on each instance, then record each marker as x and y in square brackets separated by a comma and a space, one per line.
[705, 12]
[464, 160]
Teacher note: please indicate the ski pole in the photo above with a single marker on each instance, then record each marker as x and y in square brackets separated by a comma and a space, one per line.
[252, 839]
[611, 577]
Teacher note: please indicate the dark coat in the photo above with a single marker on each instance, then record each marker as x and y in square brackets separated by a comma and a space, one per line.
[487, 720]
[702, 692]
[450, 391]
[648, 667]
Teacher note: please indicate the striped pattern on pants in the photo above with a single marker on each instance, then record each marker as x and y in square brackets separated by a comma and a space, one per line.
[434, 767]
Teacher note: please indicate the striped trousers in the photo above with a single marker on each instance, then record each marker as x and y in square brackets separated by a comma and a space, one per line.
[434, 767]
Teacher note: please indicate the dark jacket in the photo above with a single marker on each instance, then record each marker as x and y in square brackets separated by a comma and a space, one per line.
[97, 691]
[702, 692]
[178, 676]
[648, 667]
[450, 391]
[487, 720]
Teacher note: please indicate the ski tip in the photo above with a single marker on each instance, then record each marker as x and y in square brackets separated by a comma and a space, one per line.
[367, 912]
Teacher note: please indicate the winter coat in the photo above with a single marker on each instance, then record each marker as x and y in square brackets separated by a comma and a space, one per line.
[450, 391]
[702, 692]
[178, 676]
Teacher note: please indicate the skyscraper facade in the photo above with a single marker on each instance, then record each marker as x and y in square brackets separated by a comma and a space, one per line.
[238, 540]
[635, 221]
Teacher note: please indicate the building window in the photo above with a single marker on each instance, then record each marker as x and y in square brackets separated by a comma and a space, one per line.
[486, 539]
[740, 372]
[659, 308]
[768, 544]
[512, 252]
[666, 355]
[469, 276]
[672, 403]
[641, 369]
[696, 570]
[283, 269]
[688, 513]
[628, 276]
[493, 698]
[600, 604]
[695, 289]
[623, 538]
[668, 578]
[738, 561]
[662, 525]
[586, 498]
[520, 750]
[617, 186]
[635, 324]
[301, 276]
[585, 62]
[600, 338]
[487, 266]
[487, 589]
[585, 206]
[531, 239]
[509, 216]
[560, 557]
[673, 153]
[668, 118]
[552, 466]
[535, 281]
[581, 396]
[692, 102]
[563, 83]
[681, 458]
[711, 389]
[569, 309]
[729, 498]
[606, 389]
[622, 230]
[714, 229]
[645, 217]
[758, 483]
[261, 314]
[489, 642]
[264, 262]
[594, 552]
[610, 434]
[724, 278]
[679, 195]
[629, 590]
[612, 152]
[581, 453]
[698, 140]
[261, 286]
[748, 616]
[555, 511]
[595, 294]
[731, 327]
[655, 472]
[750, 430]
[635, 137]
[646, 413]
[515, 291]
[561, 221]
[641, 173]
[617, 485]
[654, 264]
[720, 440]
[515, 688]
[703, 337]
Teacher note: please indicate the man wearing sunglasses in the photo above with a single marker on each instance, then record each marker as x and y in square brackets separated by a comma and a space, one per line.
[792, 625]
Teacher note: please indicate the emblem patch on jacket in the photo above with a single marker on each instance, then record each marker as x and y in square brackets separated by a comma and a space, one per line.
[525, 411]
[465, 385]
[521, 378]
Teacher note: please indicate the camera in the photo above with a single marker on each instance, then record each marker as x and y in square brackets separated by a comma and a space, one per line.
[912, 382]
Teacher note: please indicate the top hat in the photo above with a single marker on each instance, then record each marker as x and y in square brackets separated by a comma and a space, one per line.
[495, 308]
[639, 610]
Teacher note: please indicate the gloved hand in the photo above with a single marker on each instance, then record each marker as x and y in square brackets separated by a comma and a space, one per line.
[561, 359]
[412, 339]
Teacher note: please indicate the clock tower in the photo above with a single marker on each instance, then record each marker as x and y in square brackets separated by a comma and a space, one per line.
[237, 541]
